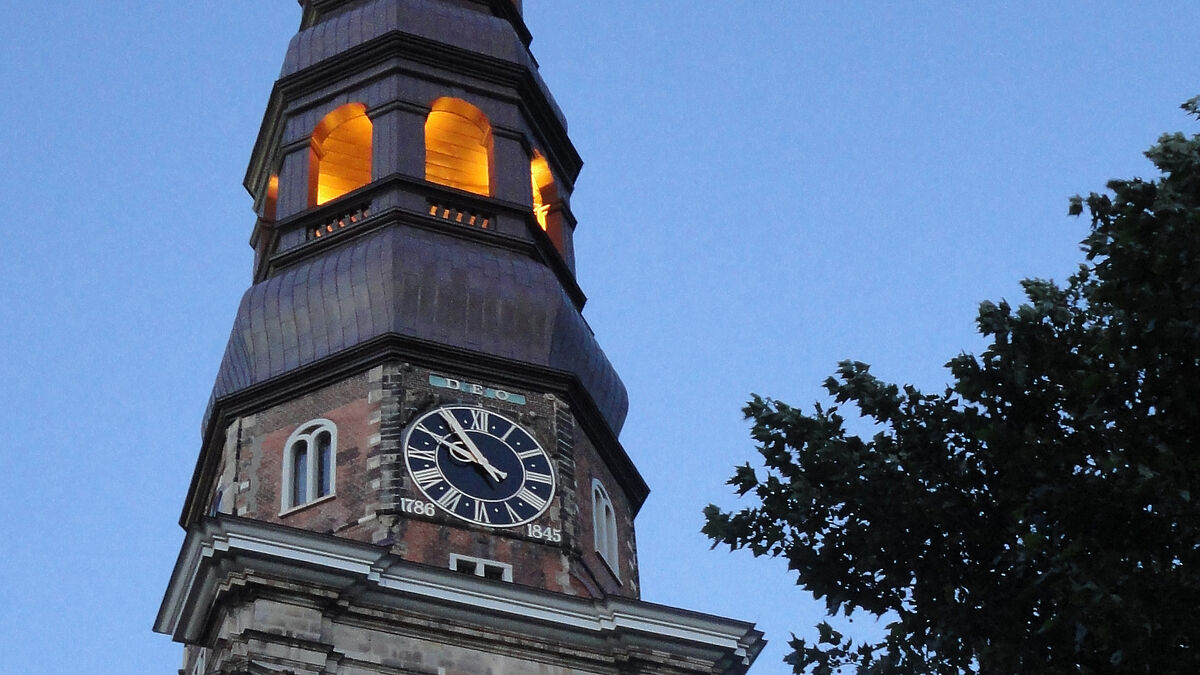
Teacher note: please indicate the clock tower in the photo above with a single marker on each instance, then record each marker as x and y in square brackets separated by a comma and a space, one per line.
[410, 462]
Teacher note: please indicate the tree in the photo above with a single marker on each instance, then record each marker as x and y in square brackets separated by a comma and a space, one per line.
[1037, 516]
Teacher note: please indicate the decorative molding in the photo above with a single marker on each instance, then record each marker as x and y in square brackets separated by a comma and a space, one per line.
[538, 247]
[222, 547]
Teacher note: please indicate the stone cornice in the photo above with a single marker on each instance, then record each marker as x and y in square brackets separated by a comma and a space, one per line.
[218, 549]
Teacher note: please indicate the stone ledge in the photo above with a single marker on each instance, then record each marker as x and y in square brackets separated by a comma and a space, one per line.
[368, 580]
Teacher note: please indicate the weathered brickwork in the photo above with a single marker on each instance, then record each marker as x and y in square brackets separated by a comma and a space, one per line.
[372, 412]
[385, 470]
[589, 466]
[253, 460]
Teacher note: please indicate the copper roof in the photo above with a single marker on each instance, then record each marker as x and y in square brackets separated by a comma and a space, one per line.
[418, 284]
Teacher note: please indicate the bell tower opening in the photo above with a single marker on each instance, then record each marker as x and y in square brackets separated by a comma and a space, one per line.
[271, 204]
[340, 154]
[547, 207]
[458, 146]
[545, 195]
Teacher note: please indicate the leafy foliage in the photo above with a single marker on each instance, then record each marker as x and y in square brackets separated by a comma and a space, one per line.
[1039, 515]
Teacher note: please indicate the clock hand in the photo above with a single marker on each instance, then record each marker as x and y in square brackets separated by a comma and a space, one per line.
[473, 450]
[459, 452]
[463, 454]
[458, 430]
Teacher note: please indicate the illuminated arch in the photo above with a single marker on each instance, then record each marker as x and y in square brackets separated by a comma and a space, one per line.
[271, 204]
[546, 205]
[340, 155]
[458, 146]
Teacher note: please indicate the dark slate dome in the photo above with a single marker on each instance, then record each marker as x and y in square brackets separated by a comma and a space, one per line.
[418, 284]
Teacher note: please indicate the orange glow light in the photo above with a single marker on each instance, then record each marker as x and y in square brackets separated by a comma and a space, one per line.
[272, 198]
[341, 154]
[458, 146]
[543, 188]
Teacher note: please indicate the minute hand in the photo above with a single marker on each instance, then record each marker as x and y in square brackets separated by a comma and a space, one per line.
[477, 456]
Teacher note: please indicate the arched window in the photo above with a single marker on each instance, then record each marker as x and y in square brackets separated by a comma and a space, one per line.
[309, 464]
[218, 496]
[271, 203]
[458, 146]
[340, 154]
[545, 199]
[604, 527]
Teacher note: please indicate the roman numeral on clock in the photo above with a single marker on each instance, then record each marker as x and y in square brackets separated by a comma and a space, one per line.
[423, 455]
[531, 499]
[511, 428]
[479, 420]
[512, 513]
[427, 478]
[450, 499]
[543, 478]
[481, 514]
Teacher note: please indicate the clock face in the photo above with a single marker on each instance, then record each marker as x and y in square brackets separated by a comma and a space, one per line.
[479, 466]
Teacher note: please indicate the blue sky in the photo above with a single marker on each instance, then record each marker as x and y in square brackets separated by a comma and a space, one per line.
[770, 187]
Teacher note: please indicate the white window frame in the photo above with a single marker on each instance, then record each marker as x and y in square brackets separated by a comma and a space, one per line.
[480, 565]
[604, 528]
[308, 433]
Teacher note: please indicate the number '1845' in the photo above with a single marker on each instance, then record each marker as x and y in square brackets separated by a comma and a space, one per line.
[550, 534]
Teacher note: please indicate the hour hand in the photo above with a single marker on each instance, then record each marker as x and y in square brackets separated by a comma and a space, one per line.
[471, 452]
[463, 454]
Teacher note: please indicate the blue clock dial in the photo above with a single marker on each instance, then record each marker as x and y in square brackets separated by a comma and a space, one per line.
[479, 466]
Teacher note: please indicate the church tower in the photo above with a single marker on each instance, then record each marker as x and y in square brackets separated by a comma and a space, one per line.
[410, 462]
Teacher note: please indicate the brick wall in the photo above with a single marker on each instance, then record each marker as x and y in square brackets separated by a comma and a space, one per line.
[372, 411]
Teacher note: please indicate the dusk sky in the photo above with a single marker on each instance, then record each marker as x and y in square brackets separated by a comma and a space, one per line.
[770, 187]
